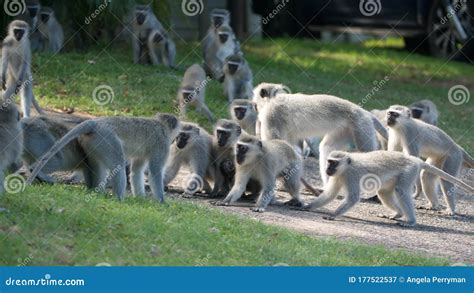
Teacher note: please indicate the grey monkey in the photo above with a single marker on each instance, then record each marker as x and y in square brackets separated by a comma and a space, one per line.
[426, 111]
[392, 175]
[192, 147]
[264, 161]
[109, 141]
[16, 74]
[11, 139]
[238, 78]
[218, 17]
[417, 138]
[143, 23]
[162, 48]
[51, 29]
[193, 91]
[244, 112]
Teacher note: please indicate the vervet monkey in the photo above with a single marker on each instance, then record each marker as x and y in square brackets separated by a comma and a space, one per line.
[222, 47]
[40, 133]
[417, 138]
[264, 161]
[391, 175]
[218, 17]
[193, 91]
[31, 16]
[244, 112]
[162, 48]
[11, 140]
[193, 148]
[238, 78]
[144, 22]
[51, 29]
[294, 117]
[16, 67]
[426, 111]
[109, 141]
[226, 135]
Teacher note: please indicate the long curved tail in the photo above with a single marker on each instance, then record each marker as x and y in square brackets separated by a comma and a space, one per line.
[37, 107]
[468, 160]
[311, 188]
[379, 127]
[438, 172]
[83, 128]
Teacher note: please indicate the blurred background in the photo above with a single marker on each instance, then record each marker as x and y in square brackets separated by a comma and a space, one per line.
[442, 28]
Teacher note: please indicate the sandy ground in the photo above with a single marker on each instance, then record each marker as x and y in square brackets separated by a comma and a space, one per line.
[434, 235]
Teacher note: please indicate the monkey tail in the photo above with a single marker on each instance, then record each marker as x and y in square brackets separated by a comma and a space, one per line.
[379, 127]
[311, 188]
[37, 107]
[468, 160]
[438, 172]
[83, 128]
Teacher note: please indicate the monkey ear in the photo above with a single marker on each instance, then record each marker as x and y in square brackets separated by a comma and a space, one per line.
[349, 161]
[264, 93]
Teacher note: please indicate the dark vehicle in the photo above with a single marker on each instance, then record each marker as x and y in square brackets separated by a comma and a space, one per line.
[443, 28]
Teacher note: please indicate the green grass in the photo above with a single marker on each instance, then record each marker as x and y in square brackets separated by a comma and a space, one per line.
[68, 226]
[57, 226]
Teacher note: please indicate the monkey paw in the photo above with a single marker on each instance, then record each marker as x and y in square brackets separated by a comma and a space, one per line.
[390, 217]
[294, 202]
[329, 218]
[405, 224]
[431, 207]
[220, 203]
[257, 209]
[186, 195]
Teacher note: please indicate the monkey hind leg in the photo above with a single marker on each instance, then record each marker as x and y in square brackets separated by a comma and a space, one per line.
[156, 166]
[207, 112]
[429, 184]
[364, 135]
[388, 199]
[451, 166]
[137, 177]
[292, 184]
[26, 94]
[405, 200]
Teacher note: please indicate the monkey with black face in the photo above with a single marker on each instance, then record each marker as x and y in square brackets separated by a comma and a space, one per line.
[192, 91]
[426, 111]
[40, 133]
[51, 30]
[144, 22]
[11, 140]
[222, 47]
[392, 174]
[31, 16]
[162, 48]
[16, 67]
[264, 161]
[238, 78]
[417, 138]
[218, 17]
[192, 147]
[244, 112]
[109, 141]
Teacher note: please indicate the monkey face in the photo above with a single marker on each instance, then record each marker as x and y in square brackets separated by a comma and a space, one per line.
[416, 112]
[240, 112]
[233, 67]
[241, 150]
[392, 117]
[218, 21]
[140, 17]
[189, 95]
[222, 137]
[18, 33]
[223, 37]
[33, 11]
[182, 140]
[332, 167]
[45, 17]
[157, 38]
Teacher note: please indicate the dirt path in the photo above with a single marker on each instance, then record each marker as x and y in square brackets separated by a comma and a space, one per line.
[434, 235]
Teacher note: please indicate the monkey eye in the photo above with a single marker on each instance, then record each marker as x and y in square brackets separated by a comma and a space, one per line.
[242, 148]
